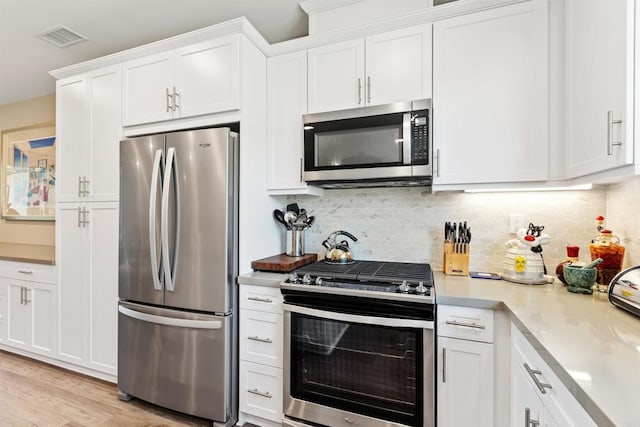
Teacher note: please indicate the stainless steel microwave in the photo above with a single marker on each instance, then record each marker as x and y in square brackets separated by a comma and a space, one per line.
[379, 146]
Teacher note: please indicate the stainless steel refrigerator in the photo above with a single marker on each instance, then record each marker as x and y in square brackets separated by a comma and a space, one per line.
[177, 320]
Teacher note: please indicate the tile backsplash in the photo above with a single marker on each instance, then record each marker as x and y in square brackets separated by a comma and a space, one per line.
[623, 217]
[407, 224]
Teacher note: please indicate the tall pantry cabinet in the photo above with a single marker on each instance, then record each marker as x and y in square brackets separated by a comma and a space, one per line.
[89, 117]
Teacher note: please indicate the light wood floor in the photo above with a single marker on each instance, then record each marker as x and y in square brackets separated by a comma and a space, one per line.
[33, 393]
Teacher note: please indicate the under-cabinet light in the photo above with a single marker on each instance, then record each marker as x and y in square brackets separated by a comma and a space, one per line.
[520, 189]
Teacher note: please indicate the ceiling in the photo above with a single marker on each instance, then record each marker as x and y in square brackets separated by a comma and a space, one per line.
[115, 25]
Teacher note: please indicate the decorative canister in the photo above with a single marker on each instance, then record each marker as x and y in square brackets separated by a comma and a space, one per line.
[608, 247]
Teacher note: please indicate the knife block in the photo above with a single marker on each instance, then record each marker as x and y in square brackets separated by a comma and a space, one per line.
[455, 263]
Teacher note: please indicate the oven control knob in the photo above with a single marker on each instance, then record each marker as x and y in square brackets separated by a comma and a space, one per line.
[294, 278]
[318, 281]
[421, 289]
[306, 279]
[404, 288]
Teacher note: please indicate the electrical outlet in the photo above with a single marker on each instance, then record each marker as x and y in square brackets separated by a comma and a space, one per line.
[516, 222]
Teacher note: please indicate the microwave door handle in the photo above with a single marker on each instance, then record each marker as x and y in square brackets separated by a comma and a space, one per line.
[406, 138]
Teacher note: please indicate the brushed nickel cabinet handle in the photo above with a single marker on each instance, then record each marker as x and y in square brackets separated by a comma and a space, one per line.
[21, 295]
[256, 338]
[359, 91]
[301, 167]
[368, 89]
[85, 186]
[438, 162]
[444, 365]
[168, 100]
[26, 296]
[260, 299]
[533, 373]
[85, 214]
[464, 324]
[610, 142]
[176, 97]
[79, 217]
[260, 393]
[25, 271]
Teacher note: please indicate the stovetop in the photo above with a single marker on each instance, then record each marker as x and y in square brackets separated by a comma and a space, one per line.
[372, 279]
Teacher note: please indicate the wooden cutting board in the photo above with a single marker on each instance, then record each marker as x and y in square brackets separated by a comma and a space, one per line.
[283, 263]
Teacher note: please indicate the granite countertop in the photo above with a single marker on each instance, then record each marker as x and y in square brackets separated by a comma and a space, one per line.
[37, 254]
[592, 346]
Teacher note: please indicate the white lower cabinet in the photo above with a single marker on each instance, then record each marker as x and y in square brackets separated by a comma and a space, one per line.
[87, 253]
[261, 391]
[465, 372]
[538, 396]
[261, 355]
[28, 315]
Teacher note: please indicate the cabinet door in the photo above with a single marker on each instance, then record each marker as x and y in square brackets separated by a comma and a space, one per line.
[599, 84]
[287, 102]
[18, 318]
[526, 406]
[490, 95]
[398, 65]
[30, 316]
[102, 270]
[336, 76]
[40, 298]
[105, 105]
[147, 89]
[207, 77]
[71, 257]
[72, 130]
[465, 383]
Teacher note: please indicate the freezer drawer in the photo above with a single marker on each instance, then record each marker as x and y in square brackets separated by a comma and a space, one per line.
[179, 360]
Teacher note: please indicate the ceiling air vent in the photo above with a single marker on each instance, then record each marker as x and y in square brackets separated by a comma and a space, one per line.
[61, 36]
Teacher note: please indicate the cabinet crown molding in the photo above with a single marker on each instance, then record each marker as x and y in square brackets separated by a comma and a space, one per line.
[234, 26]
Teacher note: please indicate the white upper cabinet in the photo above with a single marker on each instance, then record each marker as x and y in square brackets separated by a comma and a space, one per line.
[88, 127]
[194, 80]
[286, 103]
[379, 69]
[398, 65]
[599, 64]
[336, 74]
[491, 96]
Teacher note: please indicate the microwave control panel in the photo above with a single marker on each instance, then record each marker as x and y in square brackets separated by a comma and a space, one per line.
[420, 139]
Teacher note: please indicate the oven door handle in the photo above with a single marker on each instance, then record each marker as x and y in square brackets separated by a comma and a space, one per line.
[356, 318]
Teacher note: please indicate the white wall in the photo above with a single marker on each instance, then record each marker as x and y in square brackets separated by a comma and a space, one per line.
[406, 224]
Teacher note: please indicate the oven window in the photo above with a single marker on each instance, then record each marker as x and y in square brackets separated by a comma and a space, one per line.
[375, 145]
[365, 369]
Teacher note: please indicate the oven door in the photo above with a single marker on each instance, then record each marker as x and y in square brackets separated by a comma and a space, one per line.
[345, 369]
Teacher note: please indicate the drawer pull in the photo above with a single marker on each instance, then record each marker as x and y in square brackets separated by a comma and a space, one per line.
[267, 340]
[25, 271]
[533, 373]
[464, 324]
[258, 299]
[260, 393]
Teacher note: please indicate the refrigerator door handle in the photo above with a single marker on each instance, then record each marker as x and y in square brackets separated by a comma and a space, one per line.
[155, 173]
[164, 220]
[171, 321]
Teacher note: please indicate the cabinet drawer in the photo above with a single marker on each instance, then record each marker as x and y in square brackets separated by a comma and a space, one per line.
[27, 271]
[261, 337]
[261, 391]
[261, 298]
[560, 403]
[465, 323]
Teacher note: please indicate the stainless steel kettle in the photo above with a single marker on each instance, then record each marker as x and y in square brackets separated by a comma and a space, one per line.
[338, 252]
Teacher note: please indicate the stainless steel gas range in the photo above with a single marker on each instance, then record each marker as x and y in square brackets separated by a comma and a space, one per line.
[359, 344]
